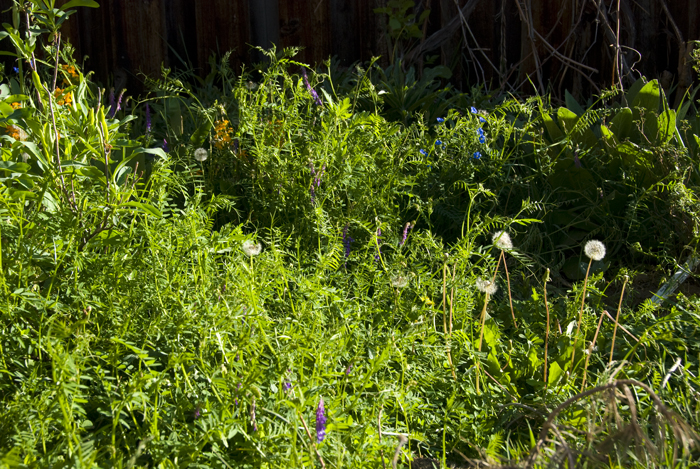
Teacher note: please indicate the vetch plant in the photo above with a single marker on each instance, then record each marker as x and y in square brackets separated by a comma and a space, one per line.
[320, 421]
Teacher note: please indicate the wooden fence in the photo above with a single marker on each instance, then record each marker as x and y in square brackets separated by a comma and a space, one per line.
[508, 44]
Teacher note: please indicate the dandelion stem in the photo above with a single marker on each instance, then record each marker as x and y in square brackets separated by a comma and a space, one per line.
[617, 319]
[580, 313]
[590, 351]
[481, 338]
[510, 297]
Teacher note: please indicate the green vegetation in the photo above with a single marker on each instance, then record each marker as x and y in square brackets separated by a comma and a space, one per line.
[289, 269]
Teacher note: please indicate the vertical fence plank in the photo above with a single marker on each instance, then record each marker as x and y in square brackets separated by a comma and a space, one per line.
[124, 37]
[222, 25]
[306, 23]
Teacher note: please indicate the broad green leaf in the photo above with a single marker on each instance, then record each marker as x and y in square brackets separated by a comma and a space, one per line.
[567, 119]
[572, 104]
[554, 374]
[14, 167]
[80, 3]
[648, 99]
[200, 134]
[621, 124]
[146, 208]
[555, 133]
[667, 126]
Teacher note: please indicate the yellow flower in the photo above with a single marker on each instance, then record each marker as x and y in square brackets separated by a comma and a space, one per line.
[16, 105]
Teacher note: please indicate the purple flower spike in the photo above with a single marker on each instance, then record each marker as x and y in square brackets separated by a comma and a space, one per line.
[407, 226]
[320, 422]
[312, 91]
[348, 370]
[148, 119]
[379, 250]
[165, 146]
[347, 241]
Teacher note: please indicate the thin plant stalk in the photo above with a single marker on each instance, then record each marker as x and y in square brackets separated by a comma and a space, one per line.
[481, 337]
[580, 314]
[510, 297]
[444, 319]
[546, 337]
[590, 351]
[617, 319]
[495, 272]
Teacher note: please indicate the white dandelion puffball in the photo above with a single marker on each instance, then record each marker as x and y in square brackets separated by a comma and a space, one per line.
[399, 281]
[200, 154]
[594, 250]
[502, 241]
[251, 249]
[487, 286]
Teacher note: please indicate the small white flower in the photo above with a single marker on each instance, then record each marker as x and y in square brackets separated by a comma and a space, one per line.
[594, 250]
[486, 286]
[251, 249]
[502, 241]
[399, 281]
[200, 154]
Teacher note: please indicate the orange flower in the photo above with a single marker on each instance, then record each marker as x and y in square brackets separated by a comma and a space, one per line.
[70, 70]
[16, 133]
[62, 98]
[223, 130]
[16, 105]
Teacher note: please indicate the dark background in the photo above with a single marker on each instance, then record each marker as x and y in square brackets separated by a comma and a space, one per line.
[125, 37]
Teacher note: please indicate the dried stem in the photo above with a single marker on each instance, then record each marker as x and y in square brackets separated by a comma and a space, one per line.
[402, 441]
[379, 429]
[55, 70]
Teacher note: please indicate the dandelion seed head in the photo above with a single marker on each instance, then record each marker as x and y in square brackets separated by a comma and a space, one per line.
[200, 154]
[502, 241]
[399, 281]
[486, 286]
[595, 250]
[251, 249]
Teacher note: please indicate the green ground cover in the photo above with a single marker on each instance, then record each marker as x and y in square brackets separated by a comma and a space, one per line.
[276, 267]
